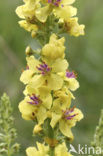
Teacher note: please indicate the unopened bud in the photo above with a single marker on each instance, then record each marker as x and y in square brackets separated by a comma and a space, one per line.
[33, 34]
[28, 51]
[37, 129]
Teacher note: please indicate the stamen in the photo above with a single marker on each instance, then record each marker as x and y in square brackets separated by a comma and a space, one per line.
[71, 74]
[68, 114]
[70, 117]
[62, 5]
[54, 2]
[27, 67]
[34, 100]
[44, 68]
[49, 1]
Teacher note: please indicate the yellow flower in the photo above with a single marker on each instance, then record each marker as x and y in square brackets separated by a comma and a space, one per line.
[55, 48]
[70, 117]
[27, 74]
[63, 98]
[66, 118]
[41, 151]
[27, 12]
[70, 80]
[44, 73]
[36, 104]
[61, 150]
[65, 10]
[28, 26]
[74, 28]
[61, 9]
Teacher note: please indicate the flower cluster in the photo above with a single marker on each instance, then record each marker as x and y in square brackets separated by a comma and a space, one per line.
[49, 87]
[35, 13]
[49, 82]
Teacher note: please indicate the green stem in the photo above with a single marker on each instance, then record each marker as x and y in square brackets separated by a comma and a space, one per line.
[50, 130]
[51, 135]
[9, 153]
[52, 151]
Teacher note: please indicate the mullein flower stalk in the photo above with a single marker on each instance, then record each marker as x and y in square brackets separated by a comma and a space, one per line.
[7, 132]
[49, 83]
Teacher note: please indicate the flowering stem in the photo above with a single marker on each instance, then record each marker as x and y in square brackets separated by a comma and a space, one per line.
[7, 132]
[45, 87]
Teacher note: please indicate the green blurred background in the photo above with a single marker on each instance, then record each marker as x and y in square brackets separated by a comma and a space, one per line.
[85, 57]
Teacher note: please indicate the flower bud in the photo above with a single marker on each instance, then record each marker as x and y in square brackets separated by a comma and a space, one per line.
[37, 129]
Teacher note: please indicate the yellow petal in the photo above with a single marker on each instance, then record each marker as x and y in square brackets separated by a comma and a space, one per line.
[44, 91]
[29, 9]
[67, 2]
[31, 151]
[29, 90]
[37, 129]
[65, 129]
[55, 119]
[61, 150]
[26, 76]
[63, 99]
[80, 114]
[78, 117]
[74, 28]
[41, 115]
[32, 62]
[28, 26]
[26, 117]
[55, 82]
[54, 39]
[65, 12]
[43, 150]
[60, 65]
[57, 108]
[55, 48]
[73, 84]
[27, 110]
[37, 81]
[47, 102]
[42, 13]
[19, 11]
